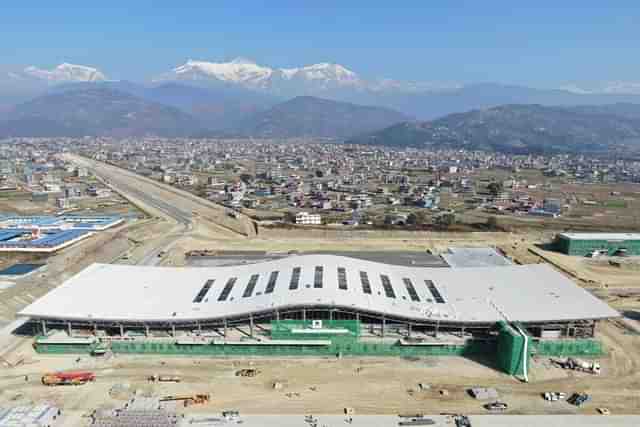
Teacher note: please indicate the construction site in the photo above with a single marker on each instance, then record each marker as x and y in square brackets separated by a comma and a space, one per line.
[170, 321]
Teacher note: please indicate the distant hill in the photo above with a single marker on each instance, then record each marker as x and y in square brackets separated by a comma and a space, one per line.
[317, 117]
[95, 111]
[519, 129]
[218, 108]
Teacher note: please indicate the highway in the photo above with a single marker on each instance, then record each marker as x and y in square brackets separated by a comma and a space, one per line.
[174, 204]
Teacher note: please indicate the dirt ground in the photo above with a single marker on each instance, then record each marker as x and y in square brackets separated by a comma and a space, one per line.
[320, 385]
[327, 385]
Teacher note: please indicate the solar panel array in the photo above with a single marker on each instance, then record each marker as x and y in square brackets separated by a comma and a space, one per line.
[437, 297]
[227, 289]
[342, 278]
[317, 276]
[203, 291]
[366, 285]
[411, 290]
[248, 291]
[386, 285]
[295, 278]
[47, 241]
[271, 285]
[9, 234]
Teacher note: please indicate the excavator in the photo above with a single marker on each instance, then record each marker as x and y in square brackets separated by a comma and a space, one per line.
[189, 399]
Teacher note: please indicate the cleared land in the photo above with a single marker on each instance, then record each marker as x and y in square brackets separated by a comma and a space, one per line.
[309, 385]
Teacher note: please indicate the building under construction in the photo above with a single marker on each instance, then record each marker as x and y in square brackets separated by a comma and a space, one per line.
[317, 305]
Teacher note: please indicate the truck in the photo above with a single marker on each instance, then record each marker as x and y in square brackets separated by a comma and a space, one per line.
[590, 366]
[189, 399]
[165, 378]
[68, 378]
[247, 372]
[496, 406]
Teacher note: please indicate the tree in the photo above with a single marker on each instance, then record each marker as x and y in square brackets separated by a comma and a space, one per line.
[419, 217]
[492, 223]
[246, 178]
[445, 220]
[495, 188]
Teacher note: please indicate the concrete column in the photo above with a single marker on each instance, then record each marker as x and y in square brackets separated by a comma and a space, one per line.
[251, 325]
[330, 314]
[43, 323]
[277, 315]
[121, 330]
[199, 328]
[304, 314]
[408, 330]
[146, 330]
[95, 329]
[69, 331]
[173, 330]
[384, 323]
[225, 329]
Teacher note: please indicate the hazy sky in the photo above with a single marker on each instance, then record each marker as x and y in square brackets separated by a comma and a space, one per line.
[551, 43]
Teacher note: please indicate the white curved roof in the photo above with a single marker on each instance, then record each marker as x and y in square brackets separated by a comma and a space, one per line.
[527, 293]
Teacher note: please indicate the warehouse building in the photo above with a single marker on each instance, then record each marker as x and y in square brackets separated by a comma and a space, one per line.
[589, 244]
[316, 305]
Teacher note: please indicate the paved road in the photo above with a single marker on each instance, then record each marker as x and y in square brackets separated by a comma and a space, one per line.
[171, 202]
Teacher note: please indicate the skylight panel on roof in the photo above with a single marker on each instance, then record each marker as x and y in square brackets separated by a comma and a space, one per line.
[411, 290]
[248, 291]
[295, 278]
[366, 285]
[434, 292]
[271, 285]
[227, 289]
[386, 285]
[317, 276]
[342, 278]
[203, 292]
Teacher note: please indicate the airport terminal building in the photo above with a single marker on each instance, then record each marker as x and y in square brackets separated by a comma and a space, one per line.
[305, 303]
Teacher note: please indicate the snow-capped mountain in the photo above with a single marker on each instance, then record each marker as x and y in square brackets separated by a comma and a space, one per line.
[240, 71]
[248, 74]
[325, 72]
[607, 88]
[62, 73]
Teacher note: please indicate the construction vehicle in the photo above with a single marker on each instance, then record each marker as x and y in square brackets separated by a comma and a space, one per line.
[592, 367]
[68, 378]
[164, 378]
[604, 411]
[189, 399]
[247, 372]
[552, 396]
[496, 406]
[462, 421]
[579, 399]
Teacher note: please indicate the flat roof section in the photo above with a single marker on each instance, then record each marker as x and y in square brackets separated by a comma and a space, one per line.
[526, 293]
[601, 236]
[475, 257]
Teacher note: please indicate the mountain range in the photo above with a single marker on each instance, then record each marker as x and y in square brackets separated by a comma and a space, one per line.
[96, 111]
[520, 129]
[246, 85]
[326, 100]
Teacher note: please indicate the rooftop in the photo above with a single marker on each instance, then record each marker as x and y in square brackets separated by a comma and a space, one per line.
[601, 236]
[527, 293]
